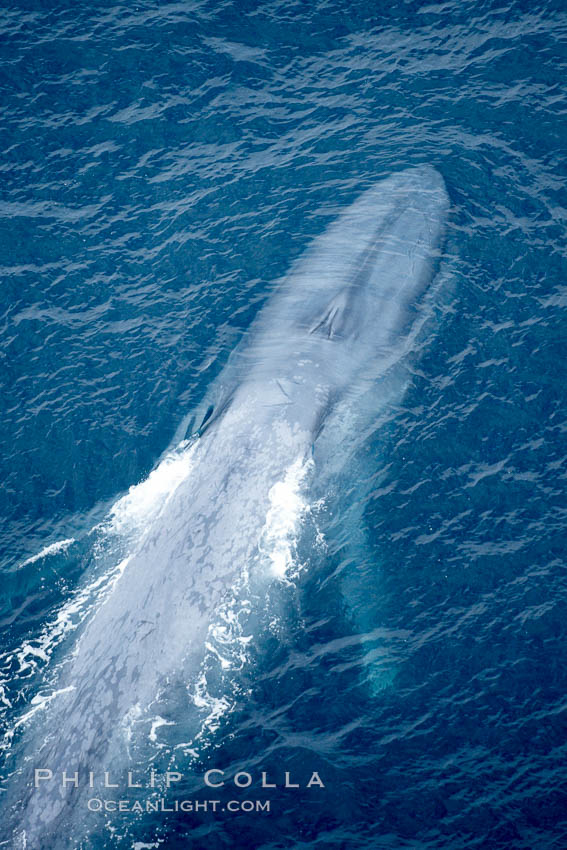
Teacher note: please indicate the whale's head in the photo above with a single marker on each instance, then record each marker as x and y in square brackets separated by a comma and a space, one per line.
[355, 294]
[349, 303]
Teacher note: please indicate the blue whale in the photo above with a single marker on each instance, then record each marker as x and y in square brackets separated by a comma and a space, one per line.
[343, 318]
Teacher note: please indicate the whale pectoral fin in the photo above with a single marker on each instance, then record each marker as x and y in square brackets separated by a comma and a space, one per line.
[363, 609]
[334, 320]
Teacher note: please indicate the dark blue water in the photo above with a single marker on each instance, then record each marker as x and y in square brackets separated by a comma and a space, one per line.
[162, 164]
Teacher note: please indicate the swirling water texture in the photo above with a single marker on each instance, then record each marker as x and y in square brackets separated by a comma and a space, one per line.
[162, 165]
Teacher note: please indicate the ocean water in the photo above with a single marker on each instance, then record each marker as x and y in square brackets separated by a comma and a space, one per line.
[162, 165]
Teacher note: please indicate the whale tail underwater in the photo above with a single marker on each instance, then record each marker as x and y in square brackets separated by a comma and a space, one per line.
[324, 347]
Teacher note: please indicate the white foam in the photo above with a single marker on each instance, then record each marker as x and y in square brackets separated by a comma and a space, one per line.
[215, 707]
[132, 511]
[52, 549]
[3, 698]
[287, 508]
[143, 502]
[68, 618]
[39, 702]
[156, 723]
[38, 652]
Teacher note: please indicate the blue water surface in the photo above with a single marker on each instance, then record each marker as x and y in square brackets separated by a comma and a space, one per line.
[162, 165]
